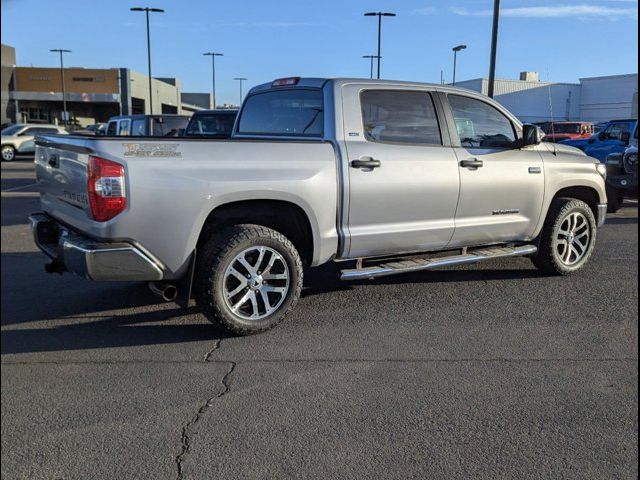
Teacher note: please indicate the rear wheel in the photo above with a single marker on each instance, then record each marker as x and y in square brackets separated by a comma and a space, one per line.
[8, 153]
[568, 237]
[248, 278]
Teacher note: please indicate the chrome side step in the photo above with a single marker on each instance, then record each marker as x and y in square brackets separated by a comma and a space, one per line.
[406, 266]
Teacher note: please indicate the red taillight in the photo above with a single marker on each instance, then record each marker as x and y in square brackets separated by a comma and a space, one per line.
[283, 82]
[105, 184]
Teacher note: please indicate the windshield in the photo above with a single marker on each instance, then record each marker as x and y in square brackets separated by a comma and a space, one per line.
[213, 124]
[12, 130]
[293, 112]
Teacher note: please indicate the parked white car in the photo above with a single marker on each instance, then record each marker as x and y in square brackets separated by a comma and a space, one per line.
[20, 138]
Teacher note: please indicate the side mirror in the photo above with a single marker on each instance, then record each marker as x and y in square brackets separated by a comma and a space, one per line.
[531, 134]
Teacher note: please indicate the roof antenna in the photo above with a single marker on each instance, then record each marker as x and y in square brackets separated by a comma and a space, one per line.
[553, 130]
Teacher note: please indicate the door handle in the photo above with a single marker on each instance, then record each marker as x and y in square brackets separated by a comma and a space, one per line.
[471, 163]
[366, 162]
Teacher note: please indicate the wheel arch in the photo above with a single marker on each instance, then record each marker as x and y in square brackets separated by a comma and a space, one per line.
[283, 216]
[587, 194]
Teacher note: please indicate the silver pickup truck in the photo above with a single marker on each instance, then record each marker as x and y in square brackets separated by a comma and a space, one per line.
[392, 176]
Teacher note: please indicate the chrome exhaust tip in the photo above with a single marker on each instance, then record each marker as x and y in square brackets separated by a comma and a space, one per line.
[167, 291]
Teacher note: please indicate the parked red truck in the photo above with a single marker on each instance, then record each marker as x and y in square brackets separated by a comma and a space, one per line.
[559, 131]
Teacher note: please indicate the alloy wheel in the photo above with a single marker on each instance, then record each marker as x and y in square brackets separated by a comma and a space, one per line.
[256, 283]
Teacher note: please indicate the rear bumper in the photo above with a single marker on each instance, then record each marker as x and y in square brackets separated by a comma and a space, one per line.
[73, 252]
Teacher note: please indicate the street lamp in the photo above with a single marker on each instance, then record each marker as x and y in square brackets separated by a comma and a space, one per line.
[379, 15]
[213, 56]
[240, 79]
[146, 10]
[64, 94]
[494, 47]
[371, 67]
[455, 57]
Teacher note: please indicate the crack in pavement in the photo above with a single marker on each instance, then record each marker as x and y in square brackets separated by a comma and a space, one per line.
[216, 346]
[187, 428]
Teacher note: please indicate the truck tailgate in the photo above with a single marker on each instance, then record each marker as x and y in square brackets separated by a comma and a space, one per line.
[61, 174]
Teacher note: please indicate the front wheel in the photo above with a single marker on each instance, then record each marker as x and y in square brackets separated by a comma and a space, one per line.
[568, 237]
[8, 153]
[248, 278]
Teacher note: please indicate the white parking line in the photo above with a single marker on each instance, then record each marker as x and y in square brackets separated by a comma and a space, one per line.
[13, 189]
[6, 194]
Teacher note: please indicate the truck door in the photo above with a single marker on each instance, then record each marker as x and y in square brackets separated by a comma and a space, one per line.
[403, 183]
[501, 185]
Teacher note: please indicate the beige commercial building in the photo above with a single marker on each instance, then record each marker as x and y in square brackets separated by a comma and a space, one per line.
[34, 94]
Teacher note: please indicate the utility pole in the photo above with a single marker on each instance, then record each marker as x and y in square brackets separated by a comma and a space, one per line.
[64, 93]
[240, 80]
[455, 57]
[213, 56]
[494, 46]
[146, 10]
[379, 15]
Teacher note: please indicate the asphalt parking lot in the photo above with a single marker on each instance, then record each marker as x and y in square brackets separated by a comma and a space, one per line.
[489, 371]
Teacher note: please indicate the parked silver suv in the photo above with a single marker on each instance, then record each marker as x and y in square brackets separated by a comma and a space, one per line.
[19, 138]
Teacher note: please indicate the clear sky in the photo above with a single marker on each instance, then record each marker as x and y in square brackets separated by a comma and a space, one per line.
[262, 40]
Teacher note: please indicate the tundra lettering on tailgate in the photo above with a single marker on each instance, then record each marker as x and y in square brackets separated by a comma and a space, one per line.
[151, 150]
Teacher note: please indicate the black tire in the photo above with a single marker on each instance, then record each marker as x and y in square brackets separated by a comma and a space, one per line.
[615, 199]
[8, 153]
[218, 255]
[548, 259]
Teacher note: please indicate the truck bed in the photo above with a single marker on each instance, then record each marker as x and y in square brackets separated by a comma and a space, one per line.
[173, 184]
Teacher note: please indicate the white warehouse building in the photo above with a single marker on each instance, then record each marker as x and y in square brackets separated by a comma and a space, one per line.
[594, 99]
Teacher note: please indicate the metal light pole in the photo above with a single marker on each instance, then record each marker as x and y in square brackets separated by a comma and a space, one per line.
[379, 15]
[213, 56]
[240, 79]
[64, 93]
[494, 46]
[371, 57]
[455, 58]
[146, 10]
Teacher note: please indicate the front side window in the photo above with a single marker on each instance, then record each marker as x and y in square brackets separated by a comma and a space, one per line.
[399, 117]
[615, 131]
[124, 128]
[293, 112]
[480, 125]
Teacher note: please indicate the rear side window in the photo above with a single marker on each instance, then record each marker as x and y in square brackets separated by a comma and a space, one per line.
[615, 131]
[294, 112]
[399, 117]
[480, 125]
[168, 126]
[137, 127]
[220, 124]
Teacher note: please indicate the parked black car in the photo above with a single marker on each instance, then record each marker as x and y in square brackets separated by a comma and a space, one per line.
[622, 175]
